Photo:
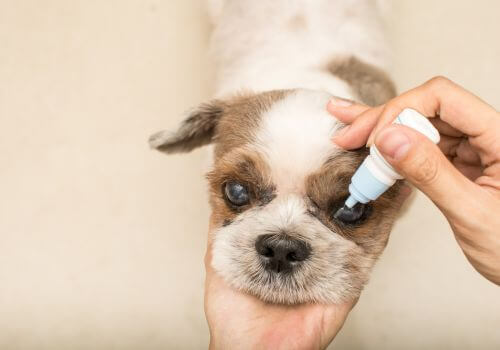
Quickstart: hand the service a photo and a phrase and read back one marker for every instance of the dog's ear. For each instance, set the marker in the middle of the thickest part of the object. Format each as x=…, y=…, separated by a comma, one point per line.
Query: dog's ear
x=197, y=130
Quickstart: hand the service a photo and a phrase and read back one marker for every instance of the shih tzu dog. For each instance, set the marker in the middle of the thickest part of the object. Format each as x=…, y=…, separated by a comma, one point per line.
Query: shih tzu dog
x=277, y=178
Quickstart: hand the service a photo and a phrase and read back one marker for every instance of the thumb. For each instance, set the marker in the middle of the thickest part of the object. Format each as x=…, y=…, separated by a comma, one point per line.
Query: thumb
x=422, y=163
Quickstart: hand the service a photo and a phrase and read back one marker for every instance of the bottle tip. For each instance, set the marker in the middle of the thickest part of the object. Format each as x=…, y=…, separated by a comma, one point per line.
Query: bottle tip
x=350, y=202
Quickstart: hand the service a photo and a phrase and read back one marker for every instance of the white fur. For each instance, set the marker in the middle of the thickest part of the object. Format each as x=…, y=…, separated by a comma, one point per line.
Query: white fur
x=321, y=278
x=279, y=44
x=295, y=136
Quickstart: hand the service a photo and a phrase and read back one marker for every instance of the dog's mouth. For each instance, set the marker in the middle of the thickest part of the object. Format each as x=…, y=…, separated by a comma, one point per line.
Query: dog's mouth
x=283, y=270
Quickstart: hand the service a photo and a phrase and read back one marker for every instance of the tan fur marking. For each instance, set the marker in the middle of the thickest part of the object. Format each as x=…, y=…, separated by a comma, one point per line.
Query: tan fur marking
x=240, y=119
x=369, y=84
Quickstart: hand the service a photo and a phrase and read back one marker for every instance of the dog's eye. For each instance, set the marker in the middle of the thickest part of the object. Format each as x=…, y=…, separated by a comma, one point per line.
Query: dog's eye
x=354, y=215
x=236, y=193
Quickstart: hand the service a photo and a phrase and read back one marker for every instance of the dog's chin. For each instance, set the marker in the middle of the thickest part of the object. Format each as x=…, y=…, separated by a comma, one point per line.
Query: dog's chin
x=285, y=289
x=291, y=288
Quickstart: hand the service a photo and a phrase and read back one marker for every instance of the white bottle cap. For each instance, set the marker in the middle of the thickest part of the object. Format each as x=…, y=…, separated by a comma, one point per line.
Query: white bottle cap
x=412, y=119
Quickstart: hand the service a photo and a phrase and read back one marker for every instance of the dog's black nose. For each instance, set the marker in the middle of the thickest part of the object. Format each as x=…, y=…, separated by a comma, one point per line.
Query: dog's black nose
x=280, y=253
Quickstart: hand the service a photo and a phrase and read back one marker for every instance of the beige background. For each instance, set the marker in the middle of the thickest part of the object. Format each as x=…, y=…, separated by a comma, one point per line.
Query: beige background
x=102, y=240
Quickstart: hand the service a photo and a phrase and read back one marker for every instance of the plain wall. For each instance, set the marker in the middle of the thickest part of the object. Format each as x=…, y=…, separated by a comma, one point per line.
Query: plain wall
x=102, y=240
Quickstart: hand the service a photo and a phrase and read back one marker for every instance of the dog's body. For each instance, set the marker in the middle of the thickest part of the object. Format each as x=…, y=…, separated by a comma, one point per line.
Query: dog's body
x=280, y=44
x=277, y=178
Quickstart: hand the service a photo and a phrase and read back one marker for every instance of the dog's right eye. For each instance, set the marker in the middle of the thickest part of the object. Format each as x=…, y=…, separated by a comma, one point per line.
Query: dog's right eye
x=236, y=193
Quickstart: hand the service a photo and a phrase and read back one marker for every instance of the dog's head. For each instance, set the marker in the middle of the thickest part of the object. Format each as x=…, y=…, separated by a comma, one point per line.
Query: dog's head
x=275, y=185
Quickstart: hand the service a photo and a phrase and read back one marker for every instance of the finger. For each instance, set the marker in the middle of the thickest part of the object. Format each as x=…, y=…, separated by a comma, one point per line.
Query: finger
x=422, y=163
x=345, y=110
x=490, y=183
x=458, y=107
x=356, y=134
x=386, y=117
x=466, y=154
x=454, y=105
x=445, y=128
x=459, y=148
x=449, y=145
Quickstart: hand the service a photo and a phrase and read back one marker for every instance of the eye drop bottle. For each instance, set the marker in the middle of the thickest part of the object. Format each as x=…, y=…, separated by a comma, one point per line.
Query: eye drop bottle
x=375, y=175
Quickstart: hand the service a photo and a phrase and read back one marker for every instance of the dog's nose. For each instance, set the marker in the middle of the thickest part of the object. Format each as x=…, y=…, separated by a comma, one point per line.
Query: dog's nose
x=281, y=254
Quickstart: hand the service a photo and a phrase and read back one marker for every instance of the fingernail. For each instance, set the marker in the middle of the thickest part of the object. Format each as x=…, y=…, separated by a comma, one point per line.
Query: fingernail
x=371, y=138
x=340, y=102
x=370, y=141
x=393, y=143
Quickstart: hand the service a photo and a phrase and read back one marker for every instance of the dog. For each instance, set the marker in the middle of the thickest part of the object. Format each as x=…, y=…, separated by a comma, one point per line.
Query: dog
x=277, y=178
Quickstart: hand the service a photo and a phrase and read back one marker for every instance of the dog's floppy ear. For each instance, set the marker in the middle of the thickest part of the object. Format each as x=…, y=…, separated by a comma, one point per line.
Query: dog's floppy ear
x=197, y=130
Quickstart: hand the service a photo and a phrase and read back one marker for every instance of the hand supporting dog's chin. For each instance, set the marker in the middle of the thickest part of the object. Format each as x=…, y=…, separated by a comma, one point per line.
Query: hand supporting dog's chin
x=235, y=317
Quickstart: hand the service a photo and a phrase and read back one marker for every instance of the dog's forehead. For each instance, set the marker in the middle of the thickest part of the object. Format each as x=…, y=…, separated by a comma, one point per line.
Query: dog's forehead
x=295, y=137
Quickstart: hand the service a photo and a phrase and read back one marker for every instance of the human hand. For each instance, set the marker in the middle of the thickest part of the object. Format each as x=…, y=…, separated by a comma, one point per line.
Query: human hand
x=461, y=175
x=240, y=321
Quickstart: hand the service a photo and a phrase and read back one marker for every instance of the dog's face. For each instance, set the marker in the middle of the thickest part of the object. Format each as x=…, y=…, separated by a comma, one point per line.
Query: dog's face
x=275, y=185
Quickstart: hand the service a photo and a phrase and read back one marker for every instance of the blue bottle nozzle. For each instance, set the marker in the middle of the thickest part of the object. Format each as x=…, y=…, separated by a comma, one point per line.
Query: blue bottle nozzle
x=350, y=202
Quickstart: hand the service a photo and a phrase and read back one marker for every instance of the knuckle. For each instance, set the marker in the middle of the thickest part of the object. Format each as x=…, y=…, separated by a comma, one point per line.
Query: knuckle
x=439, y=81
x=392, y=109
x=394, y=104
x=391, y=105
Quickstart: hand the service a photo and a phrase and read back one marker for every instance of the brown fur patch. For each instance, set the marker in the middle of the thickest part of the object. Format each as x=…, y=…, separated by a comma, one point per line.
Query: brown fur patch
x=241, y=117
x=230, y=123
x=328, y=189
x=370, y=84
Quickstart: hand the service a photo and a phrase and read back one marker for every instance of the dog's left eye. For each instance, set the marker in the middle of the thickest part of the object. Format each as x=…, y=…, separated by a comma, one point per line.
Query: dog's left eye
x=236, y=193
x=354, y=215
